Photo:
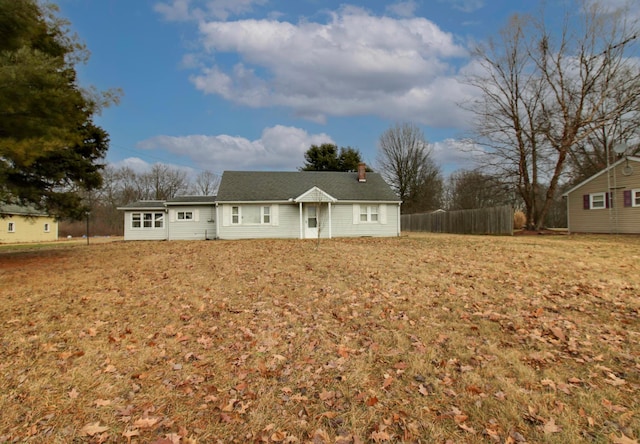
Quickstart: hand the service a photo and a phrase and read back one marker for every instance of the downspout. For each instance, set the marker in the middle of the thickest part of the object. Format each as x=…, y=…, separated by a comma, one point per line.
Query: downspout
x=329, y=220
x=568, y=199
x=167, y=220
x=399, y=220
x=300, y=212
x=217, y=223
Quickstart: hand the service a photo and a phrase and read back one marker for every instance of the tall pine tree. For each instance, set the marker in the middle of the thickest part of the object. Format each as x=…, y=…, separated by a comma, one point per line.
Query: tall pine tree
x=50, y=149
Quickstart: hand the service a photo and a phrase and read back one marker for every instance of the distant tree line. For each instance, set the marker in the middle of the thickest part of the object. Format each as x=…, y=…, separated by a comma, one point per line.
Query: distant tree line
x=123, y=185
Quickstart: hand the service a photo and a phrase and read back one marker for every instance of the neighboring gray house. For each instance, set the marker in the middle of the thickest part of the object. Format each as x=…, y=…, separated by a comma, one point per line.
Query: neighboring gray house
x=255, y=204
x=306, y=205
x=607, y=202
x=180, y=218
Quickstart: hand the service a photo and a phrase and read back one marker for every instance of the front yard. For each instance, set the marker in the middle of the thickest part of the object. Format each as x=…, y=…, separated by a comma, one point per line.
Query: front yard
x=424, y=338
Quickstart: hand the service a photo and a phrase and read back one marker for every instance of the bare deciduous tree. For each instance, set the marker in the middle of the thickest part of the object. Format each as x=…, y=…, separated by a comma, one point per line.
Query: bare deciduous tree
x=206, y=183
x=547, y=91
x=406, y=163
x=472, y=189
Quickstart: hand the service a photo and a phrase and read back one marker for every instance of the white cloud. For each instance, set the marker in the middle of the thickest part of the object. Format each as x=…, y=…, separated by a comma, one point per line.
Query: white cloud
x=399, y=69
x=185, y=10
x=403, y=9
x=465, y=5
x=452, y=154
x=141, y=166
x=279, y=148
x=630, y=8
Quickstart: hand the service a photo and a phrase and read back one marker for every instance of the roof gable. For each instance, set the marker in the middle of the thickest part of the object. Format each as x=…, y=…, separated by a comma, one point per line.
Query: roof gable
x=264, y=186
x=315, y=194
x=604, y=171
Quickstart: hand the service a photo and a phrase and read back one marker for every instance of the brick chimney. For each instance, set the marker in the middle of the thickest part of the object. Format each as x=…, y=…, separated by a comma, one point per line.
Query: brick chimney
x=362, y=172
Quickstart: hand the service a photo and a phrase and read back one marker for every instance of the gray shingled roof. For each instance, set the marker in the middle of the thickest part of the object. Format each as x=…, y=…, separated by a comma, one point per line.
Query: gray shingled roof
x=247, y=186
x=21, y=210
x=144, y=205
x=192, y=200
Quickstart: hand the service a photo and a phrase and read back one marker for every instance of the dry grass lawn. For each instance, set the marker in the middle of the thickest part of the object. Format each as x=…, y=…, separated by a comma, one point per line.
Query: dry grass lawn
x=424, y=338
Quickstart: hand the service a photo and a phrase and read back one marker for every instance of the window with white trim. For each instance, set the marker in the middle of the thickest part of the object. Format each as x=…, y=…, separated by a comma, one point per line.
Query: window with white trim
x=47, y=228
x=266, y=215
x=235, y=215
x=369, y=213
x=251, y=215
x=11, y=227
x=635, y=198
x=597, y=201
x=147, y=220
x=185, y=215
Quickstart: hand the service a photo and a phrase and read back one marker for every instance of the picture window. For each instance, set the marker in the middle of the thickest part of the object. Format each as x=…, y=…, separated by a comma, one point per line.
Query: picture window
x=147, y=220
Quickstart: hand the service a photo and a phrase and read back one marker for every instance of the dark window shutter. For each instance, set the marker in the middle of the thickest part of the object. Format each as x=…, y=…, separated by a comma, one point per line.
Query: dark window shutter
x=607, y=200
x=585, y=202
x=627, y=198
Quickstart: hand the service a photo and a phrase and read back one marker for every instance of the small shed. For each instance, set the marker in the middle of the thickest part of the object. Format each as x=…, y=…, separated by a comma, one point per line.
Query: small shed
x=607, y=202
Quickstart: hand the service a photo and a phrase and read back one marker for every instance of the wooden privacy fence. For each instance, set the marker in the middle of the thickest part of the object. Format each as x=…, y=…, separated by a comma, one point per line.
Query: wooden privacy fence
x=494, y=220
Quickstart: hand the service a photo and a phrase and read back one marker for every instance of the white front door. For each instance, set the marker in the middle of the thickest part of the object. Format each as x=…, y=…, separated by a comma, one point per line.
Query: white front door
x=311, y=222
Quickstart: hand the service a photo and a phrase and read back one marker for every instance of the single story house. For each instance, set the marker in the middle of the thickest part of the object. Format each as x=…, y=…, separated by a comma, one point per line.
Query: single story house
x=180, y=218
x=25, y=224
x=306, y=205
x=257, y=204
x=607, y=202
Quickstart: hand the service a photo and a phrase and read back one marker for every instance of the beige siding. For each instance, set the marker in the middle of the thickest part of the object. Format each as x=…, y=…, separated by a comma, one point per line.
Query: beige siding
x=618, y=218
x=28, y=229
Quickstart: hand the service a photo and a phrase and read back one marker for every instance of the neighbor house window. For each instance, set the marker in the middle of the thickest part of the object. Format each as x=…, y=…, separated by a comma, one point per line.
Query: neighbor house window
x=235, y=215
x=147, y=220
x=635, y=198
x=185, y=215
x=597, y=201
x=47, y=228
x=11, y=228
x=368, y=213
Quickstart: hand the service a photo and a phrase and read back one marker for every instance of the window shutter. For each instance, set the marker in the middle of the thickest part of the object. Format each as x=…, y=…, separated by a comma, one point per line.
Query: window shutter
x=274, y=215
x=226, y=215
x=607, y=200
x=627, y=198
x=196, y=215
x=585, y=202
x=172, y=215
x=356, y=214
x=383, y=214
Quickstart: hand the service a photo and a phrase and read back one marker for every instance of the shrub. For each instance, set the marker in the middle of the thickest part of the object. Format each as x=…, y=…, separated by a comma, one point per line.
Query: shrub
x=519, y=220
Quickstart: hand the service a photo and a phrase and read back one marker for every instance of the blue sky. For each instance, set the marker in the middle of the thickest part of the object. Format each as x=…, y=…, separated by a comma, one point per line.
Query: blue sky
x=251, y=84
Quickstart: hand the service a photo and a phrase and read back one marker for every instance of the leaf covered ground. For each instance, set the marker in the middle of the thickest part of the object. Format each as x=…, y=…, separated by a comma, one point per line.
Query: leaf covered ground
x=424, y=338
